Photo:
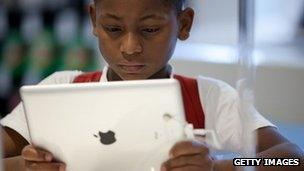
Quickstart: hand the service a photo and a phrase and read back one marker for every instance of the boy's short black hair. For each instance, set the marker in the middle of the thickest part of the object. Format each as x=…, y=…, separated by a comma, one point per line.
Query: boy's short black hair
x=178, y=4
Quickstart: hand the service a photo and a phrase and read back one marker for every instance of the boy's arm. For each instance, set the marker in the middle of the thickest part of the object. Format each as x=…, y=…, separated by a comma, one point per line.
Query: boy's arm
x=271, y=144
x=14, y=163
x=191, y=155
x=13, y=142
x=32, y=158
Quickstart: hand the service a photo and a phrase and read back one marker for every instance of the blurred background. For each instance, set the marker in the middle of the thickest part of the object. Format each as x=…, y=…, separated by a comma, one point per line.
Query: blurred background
x=39, y=37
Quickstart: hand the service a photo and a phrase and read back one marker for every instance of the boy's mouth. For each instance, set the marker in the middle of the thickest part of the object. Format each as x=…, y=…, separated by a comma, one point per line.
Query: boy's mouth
x=131, y=68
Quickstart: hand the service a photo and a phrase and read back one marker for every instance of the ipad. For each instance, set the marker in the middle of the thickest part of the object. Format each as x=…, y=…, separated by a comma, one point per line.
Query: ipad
x=117, y=126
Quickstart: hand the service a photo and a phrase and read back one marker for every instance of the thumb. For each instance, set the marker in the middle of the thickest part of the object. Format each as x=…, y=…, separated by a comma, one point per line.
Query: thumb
x=32, y=153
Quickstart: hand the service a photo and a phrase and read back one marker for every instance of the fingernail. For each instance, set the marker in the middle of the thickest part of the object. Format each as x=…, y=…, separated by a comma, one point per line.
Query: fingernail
x=48, y=157
x=163, y=168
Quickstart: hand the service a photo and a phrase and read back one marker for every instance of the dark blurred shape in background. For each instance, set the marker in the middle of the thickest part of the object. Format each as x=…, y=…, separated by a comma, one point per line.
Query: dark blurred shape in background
x=38, y=38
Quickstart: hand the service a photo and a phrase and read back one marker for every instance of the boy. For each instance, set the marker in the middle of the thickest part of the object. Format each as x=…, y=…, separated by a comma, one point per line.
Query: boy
x=137, y=39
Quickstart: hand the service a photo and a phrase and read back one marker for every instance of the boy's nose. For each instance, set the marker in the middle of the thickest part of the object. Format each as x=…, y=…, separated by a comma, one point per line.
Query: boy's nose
x=130, y=44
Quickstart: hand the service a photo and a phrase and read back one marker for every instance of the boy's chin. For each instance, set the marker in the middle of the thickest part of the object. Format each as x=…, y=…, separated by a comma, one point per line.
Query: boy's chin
x=129, y=77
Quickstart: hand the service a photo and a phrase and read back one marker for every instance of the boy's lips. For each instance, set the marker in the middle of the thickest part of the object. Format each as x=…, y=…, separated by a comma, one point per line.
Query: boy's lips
x=131, y=68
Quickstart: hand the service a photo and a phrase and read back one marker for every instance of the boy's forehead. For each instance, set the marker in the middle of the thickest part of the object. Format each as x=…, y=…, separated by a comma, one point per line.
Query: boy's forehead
x=132, y=6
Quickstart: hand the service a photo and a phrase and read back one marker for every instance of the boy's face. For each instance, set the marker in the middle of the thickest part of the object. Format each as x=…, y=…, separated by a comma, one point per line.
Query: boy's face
x=136, y=37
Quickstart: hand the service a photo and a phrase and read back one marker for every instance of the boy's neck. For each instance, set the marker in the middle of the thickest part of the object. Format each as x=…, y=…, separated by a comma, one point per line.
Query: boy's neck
x=165, y=72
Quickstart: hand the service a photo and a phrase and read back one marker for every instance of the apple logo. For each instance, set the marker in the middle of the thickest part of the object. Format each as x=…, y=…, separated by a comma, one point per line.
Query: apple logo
x=106, y=138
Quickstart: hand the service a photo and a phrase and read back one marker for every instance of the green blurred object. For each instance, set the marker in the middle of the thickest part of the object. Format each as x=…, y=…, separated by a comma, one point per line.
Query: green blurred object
x=43, y=55
x=43, y=59
x=14, y=57
x=78, y=56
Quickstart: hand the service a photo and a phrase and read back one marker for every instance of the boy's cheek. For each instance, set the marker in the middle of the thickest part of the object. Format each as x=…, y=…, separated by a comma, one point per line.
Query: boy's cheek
x=108, y=49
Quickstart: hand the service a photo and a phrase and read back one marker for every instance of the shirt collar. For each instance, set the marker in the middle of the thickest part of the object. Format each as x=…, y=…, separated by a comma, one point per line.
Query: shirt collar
x=105, y=71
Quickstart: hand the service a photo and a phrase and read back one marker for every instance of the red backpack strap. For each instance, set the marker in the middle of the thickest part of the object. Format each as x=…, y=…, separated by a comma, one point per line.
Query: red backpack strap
x=192, y=103
x=88, y=77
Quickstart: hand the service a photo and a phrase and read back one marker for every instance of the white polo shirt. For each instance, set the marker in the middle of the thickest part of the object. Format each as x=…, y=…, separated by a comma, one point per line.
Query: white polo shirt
x=220, y=102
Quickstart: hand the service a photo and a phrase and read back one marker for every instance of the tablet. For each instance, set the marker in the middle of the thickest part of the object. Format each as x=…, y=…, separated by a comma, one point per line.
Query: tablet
x=117, y=126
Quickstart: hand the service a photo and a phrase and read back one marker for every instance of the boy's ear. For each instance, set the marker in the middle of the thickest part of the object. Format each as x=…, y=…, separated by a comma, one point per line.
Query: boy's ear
x=185, y=23
x=92, y=11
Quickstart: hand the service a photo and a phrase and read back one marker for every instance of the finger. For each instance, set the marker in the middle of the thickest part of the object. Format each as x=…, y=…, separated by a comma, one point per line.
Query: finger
x=188, y=148
x=32, y=153
x=197, y=160
x=35, y=166
x=185, y=168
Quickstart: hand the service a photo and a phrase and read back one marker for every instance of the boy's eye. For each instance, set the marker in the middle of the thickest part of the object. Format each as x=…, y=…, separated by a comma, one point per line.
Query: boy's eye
x=150, y=30
x=113, y=29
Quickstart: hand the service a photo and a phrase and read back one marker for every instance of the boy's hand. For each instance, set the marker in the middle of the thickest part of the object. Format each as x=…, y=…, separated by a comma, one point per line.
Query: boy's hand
x=186, y=156
x=37, y=159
